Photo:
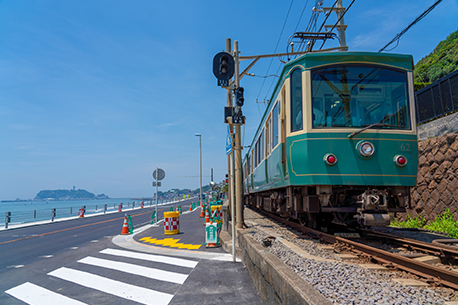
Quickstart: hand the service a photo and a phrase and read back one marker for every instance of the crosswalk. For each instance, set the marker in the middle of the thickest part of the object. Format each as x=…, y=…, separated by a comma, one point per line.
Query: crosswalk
x=139, y=264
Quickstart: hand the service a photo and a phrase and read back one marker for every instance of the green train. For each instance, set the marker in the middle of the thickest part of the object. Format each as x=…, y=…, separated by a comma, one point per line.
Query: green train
x=338, y=140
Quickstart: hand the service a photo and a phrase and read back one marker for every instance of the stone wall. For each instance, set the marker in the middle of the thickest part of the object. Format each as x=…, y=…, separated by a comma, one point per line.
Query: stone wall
x=437, y=179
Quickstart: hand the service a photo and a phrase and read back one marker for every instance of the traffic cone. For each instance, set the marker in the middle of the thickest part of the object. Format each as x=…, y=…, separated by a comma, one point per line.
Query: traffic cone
x=202, y=213
x=125, y=227
x=207, y=216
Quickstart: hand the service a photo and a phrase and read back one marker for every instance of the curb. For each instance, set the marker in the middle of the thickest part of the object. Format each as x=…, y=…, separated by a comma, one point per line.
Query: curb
x=128, y=242
x=275, y=282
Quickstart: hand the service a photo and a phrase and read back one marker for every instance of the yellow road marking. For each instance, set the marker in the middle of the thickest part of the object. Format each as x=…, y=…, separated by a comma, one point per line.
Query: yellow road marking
x=169, y=242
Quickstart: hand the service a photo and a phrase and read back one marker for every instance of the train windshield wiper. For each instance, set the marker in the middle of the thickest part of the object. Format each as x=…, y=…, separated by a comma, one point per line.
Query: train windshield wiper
x=370, y=126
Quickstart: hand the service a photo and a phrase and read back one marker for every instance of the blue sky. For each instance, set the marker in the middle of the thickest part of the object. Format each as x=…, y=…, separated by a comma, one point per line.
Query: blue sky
x=97, y=94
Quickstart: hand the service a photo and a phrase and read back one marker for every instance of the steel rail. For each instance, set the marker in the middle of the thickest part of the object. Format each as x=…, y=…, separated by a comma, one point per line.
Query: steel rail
x=435, y=249
x=431, y=273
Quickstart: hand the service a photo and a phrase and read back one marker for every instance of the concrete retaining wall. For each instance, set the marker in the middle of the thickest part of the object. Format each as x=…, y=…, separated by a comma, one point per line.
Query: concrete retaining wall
x=276, y=282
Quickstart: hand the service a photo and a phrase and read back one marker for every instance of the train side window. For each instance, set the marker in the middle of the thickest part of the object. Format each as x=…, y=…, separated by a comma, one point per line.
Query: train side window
x=275, y=115
x=261, y=140
x=296, y=100
x=268, y=135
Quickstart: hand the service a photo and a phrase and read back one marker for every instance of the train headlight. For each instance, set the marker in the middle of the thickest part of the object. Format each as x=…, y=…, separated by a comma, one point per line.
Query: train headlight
x=400, y=160
x=366, y=149
x=330, y=159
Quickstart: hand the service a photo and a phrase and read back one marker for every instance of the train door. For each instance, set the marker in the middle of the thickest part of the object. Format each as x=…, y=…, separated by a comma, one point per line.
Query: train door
x=283, y=129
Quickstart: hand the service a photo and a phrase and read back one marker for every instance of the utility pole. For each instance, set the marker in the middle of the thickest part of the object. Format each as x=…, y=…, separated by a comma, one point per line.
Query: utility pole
x=230, y=155
x=238, y=148
x=341, y=26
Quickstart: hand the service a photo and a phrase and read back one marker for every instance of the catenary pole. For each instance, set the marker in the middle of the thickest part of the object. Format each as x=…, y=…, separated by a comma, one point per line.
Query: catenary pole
x=229, y=156
x=238, y=149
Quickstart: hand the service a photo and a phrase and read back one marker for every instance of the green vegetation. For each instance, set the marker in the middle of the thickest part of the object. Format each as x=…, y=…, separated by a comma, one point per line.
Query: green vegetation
x=67, y=195
x=444, y=223
x=442, y=61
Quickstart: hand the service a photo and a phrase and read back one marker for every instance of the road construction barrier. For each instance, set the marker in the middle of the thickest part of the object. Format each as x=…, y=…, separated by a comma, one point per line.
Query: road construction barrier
x=202, y=213
x=81, y=212
x=153, y=218
x=220, y=210
x=171, y=223
x=215, y=213
x=211, y=235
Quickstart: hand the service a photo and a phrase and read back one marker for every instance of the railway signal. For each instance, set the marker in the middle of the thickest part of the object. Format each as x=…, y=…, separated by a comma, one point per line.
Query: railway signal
x=239, y=96
x=223, y=68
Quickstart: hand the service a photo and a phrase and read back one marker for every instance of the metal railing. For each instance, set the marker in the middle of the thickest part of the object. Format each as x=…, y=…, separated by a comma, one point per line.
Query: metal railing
x=22, y=217
x=437, y=99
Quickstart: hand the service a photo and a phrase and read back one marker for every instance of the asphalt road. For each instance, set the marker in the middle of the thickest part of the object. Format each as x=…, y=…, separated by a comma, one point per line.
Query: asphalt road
x=79, y=262
x=23, y=246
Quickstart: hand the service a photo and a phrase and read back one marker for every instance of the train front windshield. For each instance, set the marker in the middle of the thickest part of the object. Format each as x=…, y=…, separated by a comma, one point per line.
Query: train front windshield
x=358, y=96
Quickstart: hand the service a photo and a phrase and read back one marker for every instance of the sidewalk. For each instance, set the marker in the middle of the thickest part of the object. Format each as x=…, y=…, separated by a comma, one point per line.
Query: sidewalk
x=215, y=280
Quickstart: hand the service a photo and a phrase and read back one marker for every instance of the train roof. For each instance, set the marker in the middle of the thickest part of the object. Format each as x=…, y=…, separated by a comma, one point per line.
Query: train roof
x=315, y=59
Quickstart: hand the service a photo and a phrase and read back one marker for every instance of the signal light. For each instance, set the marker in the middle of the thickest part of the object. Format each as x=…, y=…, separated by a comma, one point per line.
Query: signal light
x=330, y=159
x=239, y=96
x=400, y=160
x=223, y=68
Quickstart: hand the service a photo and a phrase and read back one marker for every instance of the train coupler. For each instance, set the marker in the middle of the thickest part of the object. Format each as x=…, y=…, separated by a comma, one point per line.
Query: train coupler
x=373, y=219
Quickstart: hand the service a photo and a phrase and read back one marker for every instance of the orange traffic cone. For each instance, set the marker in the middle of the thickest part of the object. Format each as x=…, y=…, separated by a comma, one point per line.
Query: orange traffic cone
x=202, y=213
x=207, y=215
x=125, y=227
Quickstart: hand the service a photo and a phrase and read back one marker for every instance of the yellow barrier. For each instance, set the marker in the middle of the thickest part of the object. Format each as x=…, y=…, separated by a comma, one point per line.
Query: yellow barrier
x=171, y=223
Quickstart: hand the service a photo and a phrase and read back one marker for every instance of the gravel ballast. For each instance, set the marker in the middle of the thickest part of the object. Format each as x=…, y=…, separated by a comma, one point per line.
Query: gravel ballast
x=341, y=282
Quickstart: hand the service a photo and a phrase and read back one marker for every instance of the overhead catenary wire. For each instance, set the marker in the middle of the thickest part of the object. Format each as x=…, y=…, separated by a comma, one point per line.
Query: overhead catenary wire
x=398, y=36
x=278, y=41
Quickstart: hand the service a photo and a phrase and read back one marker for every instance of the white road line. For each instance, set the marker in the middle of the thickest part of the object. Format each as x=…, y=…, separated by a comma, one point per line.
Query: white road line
x=36, y=295
x=15, y=266
x=122, y=290
x=152, y=257
x=148, y=272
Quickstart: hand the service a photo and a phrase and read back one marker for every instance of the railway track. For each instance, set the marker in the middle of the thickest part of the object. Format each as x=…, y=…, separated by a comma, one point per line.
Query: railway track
x=432, y=274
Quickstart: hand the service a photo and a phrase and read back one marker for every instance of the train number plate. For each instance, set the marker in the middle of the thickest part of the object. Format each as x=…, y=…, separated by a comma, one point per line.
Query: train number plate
x=405, y=146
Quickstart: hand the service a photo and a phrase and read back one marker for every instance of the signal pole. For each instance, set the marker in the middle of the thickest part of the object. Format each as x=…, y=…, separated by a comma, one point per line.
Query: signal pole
x=230, y=155
x=238, y=148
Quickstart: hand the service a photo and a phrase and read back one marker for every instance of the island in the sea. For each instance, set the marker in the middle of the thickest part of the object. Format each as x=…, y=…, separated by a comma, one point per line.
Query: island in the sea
x=67, y=195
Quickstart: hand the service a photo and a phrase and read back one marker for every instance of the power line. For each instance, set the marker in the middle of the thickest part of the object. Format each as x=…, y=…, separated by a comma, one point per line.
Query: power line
x=281, y=33
x=410, y=25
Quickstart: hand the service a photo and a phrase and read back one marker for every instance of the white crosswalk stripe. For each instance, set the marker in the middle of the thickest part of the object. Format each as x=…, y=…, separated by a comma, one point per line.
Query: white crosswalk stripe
x=36, y=295
x=119, y=289
x=151, y=273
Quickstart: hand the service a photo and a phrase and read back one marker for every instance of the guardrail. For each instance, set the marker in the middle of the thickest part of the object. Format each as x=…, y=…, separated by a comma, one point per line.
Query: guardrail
x=22, y=217
x=437, y=99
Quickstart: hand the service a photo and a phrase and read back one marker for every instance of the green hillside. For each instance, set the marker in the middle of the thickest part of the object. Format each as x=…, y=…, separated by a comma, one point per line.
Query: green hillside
x=442, y=61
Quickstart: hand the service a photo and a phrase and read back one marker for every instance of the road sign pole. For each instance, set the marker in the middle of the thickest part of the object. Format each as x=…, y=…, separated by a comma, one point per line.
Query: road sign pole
x=157, y=176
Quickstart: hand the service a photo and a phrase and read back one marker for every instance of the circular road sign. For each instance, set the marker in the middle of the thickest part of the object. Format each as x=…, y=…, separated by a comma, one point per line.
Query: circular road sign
x=159, y=174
